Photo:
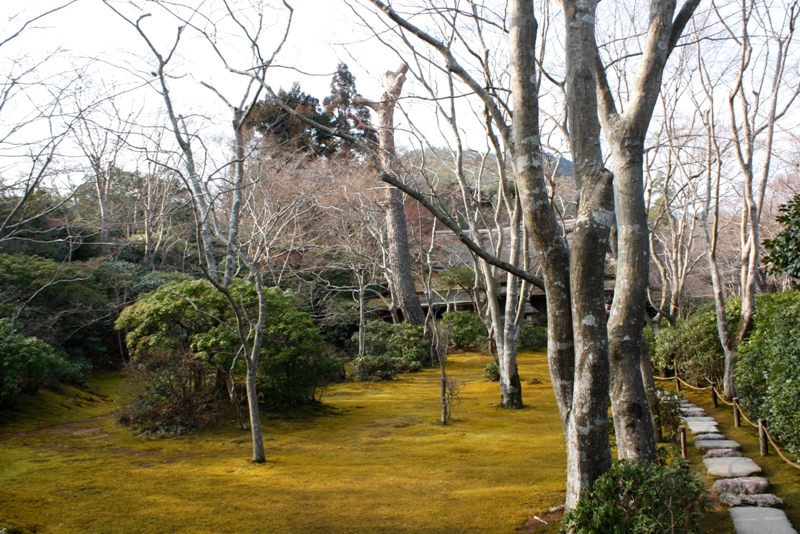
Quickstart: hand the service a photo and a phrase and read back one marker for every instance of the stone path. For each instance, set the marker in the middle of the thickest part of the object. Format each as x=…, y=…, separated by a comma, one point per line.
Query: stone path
x=738, y=485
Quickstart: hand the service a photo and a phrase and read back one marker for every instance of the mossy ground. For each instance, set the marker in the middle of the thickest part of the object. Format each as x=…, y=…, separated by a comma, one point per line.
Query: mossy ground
x=375, y=460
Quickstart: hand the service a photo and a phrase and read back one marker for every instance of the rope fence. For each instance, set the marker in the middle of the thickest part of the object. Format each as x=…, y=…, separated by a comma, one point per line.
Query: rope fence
x=737, y=412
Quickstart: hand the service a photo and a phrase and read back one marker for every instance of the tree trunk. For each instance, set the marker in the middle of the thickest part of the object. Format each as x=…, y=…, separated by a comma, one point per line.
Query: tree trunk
x=577, y=343
x=259, y=456
x=626, y=133
x=633, y=420
x=397, y=227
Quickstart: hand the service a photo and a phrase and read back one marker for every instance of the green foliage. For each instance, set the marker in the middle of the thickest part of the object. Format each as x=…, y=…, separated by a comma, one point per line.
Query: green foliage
x=28, y=363
x=269, y=117
x=184, y=338
x=458, y=278
x=784, y=249
x=768, y=371
x=465, y=328
x=635, y=498
x=692, y=348
x=348, y=116
x=390, y=349
x=532, y=337
x=491, y=372
x=666, y=408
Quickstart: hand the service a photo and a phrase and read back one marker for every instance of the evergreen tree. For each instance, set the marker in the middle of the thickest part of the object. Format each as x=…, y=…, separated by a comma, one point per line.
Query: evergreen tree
x=347, y=114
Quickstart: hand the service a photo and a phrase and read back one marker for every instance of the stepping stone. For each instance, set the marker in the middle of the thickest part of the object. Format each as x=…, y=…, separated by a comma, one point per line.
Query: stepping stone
x=702, y=427
x=709, y=436
x=731, y=467
x=760, y=521
x=741, y=485
x=694, y=412
x=699, y=419
x=722, y=453
x=707, y=445
x=762, y=500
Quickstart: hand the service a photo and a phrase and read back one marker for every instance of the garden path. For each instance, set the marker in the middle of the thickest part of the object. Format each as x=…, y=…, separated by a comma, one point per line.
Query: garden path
x=738, y=485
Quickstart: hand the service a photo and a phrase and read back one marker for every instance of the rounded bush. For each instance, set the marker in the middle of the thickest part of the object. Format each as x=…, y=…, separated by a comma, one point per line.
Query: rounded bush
x=391, y=349
x=635, y=498
x=491, y=372
x=465, y=328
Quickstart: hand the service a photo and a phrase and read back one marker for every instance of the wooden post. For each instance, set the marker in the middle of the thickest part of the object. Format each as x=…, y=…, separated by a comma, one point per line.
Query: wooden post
x=714, y=400
x=736, y=417
x=677, y=383
x=762, y=436
x=682, y=432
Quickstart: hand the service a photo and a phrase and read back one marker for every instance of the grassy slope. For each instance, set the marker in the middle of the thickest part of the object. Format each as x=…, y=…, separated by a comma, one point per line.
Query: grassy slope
x=377, y=461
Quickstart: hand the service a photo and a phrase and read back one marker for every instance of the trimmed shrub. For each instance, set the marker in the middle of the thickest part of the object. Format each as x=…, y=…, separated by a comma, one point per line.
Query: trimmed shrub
x=491, y=372
x=533, y=337
x=768, y=371
x=391, y=349
x=666, y=408
x=635, y=498
x=28, y=363
x=183, y=341
x=692, y=348
x=466, y=329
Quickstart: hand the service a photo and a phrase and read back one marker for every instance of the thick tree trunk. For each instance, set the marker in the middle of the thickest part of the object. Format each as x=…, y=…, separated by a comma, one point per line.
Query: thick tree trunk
x=577, y=342
x=626, y=133
x=633, y=422
x=397, y=227
x=400, y=257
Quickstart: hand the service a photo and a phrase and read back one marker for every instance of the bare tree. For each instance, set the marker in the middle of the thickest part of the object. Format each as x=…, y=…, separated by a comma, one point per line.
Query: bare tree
x=205, y=197
x=396, y=224
x=35, y=122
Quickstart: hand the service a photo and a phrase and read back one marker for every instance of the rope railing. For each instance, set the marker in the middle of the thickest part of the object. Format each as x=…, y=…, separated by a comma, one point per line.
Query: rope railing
x=696, y=388
x=778, y=450
x=738, y=412
x=716, y=395
x=721, y=397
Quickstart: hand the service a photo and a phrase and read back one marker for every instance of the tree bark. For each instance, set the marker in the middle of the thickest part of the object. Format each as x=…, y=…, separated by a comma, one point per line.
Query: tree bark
x=396, y=225
x=626, y=133
x=577, y=345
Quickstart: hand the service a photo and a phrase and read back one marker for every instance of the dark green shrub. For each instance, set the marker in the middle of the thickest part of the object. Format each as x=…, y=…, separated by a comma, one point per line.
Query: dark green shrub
x=28, y=363
x=532, y=337
x=692, y=348
x=174, y=397
x=768, y=371
x=666, y=408
x=183, y=341
x=390, y=349
x=491, y=372
x=61, y=304
x=784, y=249
x=465, y=328
x=634, y=498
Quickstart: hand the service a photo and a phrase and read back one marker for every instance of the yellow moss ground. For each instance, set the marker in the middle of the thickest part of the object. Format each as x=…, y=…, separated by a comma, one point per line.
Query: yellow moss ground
x=376, y=461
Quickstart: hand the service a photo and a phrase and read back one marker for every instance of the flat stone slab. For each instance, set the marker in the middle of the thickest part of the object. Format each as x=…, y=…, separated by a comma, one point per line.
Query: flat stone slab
x=741, y=485
x=722, y=453
x=705, y=436
x=760, y=521
x=762, y=500
x=707, y=445
x=694, y=412
x=699, y=419
x=702, y=427
x=731, y=467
